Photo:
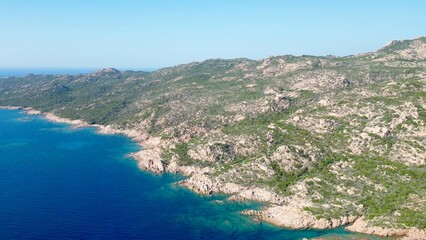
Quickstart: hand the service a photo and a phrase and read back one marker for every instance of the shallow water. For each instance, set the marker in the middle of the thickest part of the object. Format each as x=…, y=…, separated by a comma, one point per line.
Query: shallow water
x=62, y=183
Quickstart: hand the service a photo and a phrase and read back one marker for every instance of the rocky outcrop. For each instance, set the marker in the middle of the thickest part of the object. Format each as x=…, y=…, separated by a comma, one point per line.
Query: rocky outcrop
x=294, y=218
x=222, y=152
x=32, y=111
x=132, y=133
x=199, y=183
x=75, y=123
x=363, y=226
x=150, y=160
x=110, y=73
x=106, y=72
x=279, y=103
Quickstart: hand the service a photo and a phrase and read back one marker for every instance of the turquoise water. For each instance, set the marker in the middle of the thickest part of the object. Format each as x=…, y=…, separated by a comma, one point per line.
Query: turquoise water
x=62, y=183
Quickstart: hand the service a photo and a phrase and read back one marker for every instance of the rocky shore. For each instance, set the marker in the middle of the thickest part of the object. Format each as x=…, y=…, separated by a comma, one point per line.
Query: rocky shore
x=361, y=225
x=287, y=212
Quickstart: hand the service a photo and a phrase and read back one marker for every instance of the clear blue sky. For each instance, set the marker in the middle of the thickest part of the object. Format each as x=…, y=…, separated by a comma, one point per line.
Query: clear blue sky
x=160, y=33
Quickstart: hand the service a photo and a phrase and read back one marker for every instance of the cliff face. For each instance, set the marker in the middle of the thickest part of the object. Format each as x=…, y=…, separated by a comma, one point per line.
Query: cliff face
x=324, y=140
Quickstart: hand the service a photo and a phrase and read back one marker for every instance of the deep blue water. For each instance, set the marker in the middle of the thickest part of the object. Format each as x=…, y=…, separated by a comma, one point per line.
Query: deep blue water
x=62, y=183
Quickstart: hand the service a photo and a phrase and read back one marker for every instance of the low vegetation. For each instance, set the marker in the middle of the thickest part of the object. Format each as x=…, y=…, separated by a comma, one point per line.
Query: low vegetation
x=352, y=129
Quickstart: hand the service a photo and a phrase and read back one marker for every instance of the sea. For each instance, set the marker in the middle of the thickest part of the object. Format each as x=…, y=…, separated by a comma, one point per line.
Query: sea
x=60, y=182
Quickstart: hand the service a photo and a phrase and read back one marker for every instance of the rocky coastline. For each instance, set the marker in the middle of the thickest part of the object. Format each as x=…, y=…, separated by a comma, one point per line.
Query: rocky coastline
x=286, y=212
